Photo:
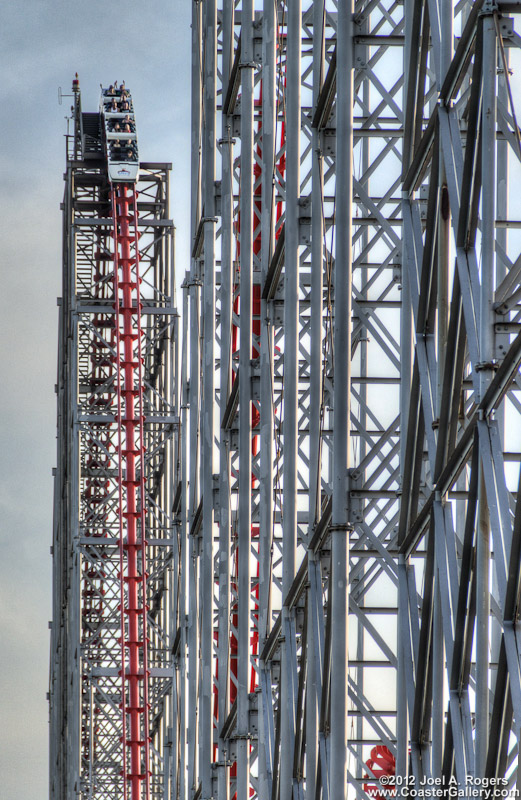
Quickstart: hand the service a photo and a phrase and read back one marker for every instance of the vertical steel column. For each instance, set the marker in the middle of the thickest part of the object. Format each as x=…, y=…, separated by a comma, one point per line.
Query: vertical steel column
x=195, y=128
x=184, y=562
x=245, y=377
x=269, y=32
x=315, y=390
x=291, y=289
x=501, y=341
x=291, y=368
x=486, y=345
x=175, y=751
x=207, y=440
x=340, y=524
x=444, y=233
x=438, y=672
x=194, y=395
x=317, y=271
x=446, y=31
x=193, y=613
x=73, y=529
x=356, y=587
x=488, y=199
x=226, y=294
x=406, y=348
x=266, y=423
x=446, y=14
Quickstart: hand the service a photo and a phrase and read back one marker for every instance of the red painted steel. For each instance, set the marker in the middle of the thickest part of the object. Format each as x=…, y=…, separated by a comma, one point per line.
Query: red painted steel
x=381, y=763
x=132, y=540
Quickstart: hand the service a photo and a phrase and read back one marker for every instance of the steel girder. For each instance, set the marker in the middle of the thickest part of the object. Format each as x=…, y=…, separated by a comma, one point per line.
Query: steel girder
x=86, y=703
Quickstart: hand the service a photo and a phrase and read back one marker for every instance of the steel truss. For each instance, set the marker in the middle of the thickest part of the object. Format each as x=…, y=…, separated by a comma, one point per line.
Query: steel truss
x=350, y=362
x=459, y=657
x=111, y=702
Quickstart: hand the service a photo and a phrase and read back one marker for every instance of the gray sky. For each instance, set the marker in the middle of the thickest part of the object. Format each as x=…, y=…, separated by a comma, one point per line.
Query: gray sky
x=42, y=44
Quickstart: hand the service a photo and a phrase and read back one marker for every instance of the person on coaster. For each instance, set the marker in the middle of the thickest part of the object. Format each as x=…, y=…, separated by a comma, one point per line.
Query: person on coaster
x=110, y=90
x=125, y=106
x=113, y=105
x=128, y=121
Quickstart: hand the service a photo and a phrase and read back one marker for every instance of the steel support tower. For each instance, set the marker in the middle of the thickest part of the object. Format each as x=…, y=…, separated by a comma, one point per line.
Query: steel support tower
x=348, y=531
x=111, y=679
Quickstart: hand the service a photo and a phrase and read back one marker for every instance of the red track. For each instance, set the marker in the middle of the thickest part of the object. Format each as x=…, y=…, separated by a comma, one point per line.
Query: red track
x=132, y=543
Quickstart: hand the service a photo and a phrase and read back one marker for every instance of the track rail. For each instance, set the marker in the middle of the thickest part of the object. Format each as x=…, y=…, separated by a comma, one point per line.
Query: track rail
x=131, y=465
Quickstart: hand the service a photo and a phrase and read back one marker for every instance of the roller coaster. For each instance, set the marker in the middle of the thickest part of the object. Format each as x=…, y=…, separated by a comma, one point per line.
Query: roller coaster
x=120, y=137
x=111, y=683
x=287, y=538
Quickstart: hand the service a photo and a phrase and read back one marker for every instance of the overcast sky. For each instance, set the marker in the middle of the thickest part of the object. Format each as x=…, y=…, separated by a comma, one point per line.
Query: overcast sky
x=42, y=44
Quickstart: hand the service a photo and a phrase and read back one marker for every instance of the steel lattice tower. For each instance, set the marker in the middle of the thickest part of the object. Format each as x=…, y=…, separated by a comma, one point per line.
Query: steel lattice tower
x=346, y=545
x=111, y=700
